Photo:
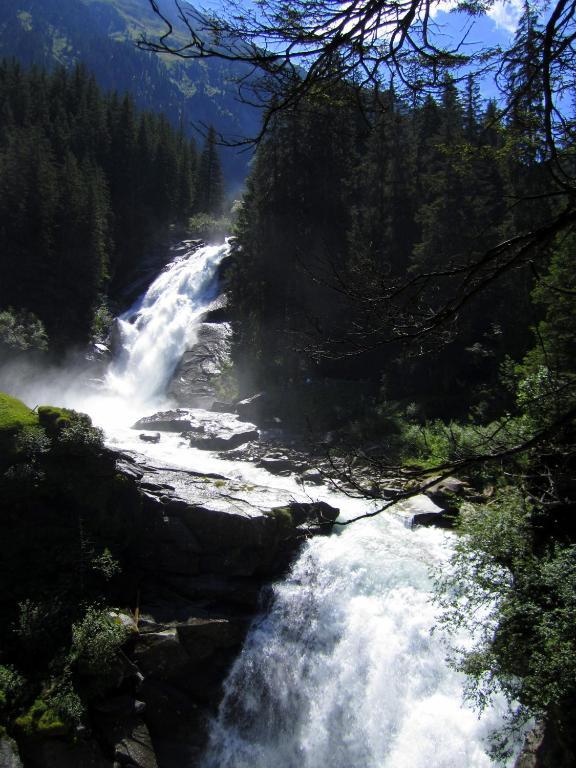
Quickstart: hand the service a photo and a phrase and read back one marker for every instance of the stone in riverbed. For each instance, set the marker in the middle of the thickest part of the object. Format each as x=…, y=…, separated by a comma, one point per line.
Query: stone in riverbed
x=222, y=441
x=210, y=431
x=154, y=438
x=165, y=421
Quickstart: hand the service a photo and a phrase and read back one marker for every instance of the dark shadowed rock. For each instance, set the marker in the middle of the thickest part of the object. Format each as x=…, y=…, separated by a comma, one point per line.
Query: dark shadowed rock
x=439, y=519
x=160, y=654
x=9, y=757
x=55, y=753
x=153, y=438
x=278, y=464
x=201, y=637
x=166, y=421
x=254, y=408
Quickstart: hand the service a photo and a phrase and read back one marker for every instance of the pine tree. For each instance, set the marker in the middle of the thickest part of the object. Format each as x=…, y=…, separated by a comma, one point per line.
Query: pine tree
x=210, y=189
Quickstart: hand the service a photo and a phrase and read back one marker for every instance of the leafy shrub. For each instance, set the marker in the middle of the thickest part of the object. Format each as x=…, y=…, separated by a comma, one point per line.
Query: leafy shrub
x=96, y=640
x=71, y=430
x=21, y=331
x=519, y=607
x=41, y=720
x=12, y=687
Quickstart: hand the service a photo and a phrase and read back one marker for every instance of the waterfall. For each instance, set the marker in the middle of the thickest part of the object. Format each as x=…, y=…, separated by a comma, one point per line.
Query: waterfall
x=161, y=325
x=344, y=670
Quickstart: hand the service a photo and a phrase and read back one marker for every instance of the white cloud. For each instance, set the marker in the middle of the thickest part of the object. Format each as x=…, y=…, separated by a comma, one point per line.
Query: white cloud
x=506, y=13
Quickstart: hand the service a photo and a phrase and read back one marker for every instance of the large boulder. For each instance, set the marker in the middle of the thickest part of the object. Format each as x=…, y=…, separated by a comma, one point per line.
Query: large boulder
x=210, y=431
x=165, y=421
x=193, y=382
x=448, y=493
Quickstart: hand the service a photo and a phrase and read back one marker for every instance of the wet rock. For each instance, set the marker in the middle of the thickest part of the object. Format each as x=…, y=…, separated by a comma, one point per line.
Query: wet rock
x=154, y=438
x=222, y=407
x=130, y=742
x=278, y=464
x=165, y=421
x=193, y=381
x=161, y=655
x=219, y=440
x=439, y=519
x=311, y=477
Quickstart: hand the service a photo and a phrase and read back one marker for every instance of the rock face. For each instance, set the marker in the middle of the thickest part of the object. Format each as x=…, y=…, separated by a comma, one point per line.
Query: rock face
x=203, y=548
x=192, y=384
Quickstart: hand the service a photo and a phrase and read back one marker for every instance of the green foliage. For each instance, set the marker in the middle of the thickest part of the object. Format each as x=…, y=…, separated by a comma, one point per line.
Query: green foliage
x=106, y=564
x=15, y=415
x=72, y=431
x=283, y=517
x=12, y=689
x=102, y=323
x=22, y=331
x=96, y=641
x=209, y=227
x=86, y=182
x=520, y=607
x=41, y=720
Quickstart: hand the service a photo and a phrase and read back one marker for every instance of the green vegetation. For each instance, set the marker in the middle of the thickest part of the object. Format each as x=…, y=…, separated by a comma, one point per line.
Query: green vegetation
x=87, y=183
x=15, y=415
x=102, y=36
x=63, y=510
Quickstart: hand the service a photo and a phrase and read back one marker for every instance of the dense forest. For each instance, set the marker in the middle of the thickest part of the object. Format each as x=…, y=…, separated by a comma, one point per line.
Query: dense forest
x=87, y=182
x=102, y=36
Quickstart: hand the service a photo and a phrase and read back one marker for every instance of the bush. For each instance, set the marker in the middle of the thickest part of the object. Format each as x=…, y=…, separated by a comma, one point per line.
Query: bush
x=12, y=688
x=71, y=430
x=22, y=331
x=41, y=720
x=520, y=607
x=96, y=640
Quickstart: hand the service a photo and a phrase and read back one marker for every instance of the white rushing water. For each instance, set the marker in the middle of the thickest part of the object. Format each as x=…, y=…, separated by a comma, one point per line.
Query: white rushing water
x=343, y=671
x=157, y=330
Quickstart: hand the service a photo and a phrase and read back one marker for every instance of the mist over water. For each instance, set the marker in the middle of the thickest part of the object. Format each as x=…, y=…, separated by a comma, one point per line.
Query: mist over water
x=153, y=335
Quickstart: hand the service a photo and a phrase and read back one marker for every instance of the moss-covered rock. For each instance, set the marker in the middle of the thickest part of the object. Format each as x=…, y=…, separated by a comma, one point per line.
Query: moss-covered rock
x=15, y=418
x=14, y=415
x=41, y=720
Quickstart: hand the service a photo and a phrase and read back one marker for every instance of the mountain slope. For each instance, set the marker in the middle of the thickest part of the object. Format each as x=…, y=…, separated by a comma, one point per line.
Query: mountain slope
x=102, y=35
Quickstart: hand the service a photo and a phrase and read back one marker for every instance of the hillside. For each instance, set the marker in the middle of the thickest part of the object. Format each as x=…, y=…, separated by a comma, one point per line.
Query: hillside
x=102, y=35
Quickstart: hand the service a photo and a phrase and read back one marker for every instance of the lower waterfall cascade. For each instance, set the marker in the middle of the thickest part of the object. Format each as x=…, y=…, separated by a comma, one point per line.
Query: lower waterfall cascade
x=342, y=668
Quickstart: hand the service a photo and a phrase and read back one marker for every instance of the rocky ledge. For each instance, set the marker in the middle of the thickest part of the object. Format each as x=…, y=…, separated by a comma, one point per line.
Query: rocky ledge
x=203, y=550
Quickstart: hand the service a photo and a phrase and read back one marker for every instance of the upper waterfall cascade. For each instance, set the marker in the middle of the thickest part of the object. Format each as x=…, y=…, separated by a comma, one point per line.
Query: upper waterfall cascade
x=162, y=323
